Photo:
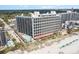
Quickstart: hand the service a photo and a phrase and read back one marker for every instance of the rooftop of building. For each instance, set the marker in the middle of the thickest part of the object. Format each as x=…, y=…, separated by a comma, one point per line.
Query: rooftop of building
x=37, y=14
x=67, y=12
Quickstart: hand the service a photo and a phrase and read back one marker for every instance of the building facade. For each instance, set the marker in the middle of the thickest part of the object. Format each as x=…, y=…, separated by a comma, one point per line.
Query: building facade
x=3, y=40
x=39, y=25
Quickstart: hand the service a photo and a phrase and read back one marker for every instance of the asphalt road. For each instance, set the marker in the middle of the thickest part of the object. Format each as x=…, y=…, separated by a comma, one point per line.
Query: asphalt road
x=12, y=33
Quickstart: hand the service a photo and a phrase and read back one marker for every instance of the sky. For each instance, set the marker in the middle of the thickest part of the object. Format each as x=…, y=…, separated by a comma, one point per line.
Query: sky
x=15, y=7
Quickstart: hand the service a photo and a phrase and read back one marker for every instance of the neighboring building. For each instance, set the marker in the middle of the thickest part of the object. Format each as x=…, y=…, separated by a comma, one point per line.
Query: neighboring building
x=39, y=25
x=69, y=15
x=3, y=40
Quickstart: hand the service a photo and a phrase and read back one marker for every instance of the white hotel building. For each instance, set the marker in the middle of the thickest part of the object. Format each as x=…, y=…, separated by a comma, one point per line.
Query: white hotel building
x=39, y=25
